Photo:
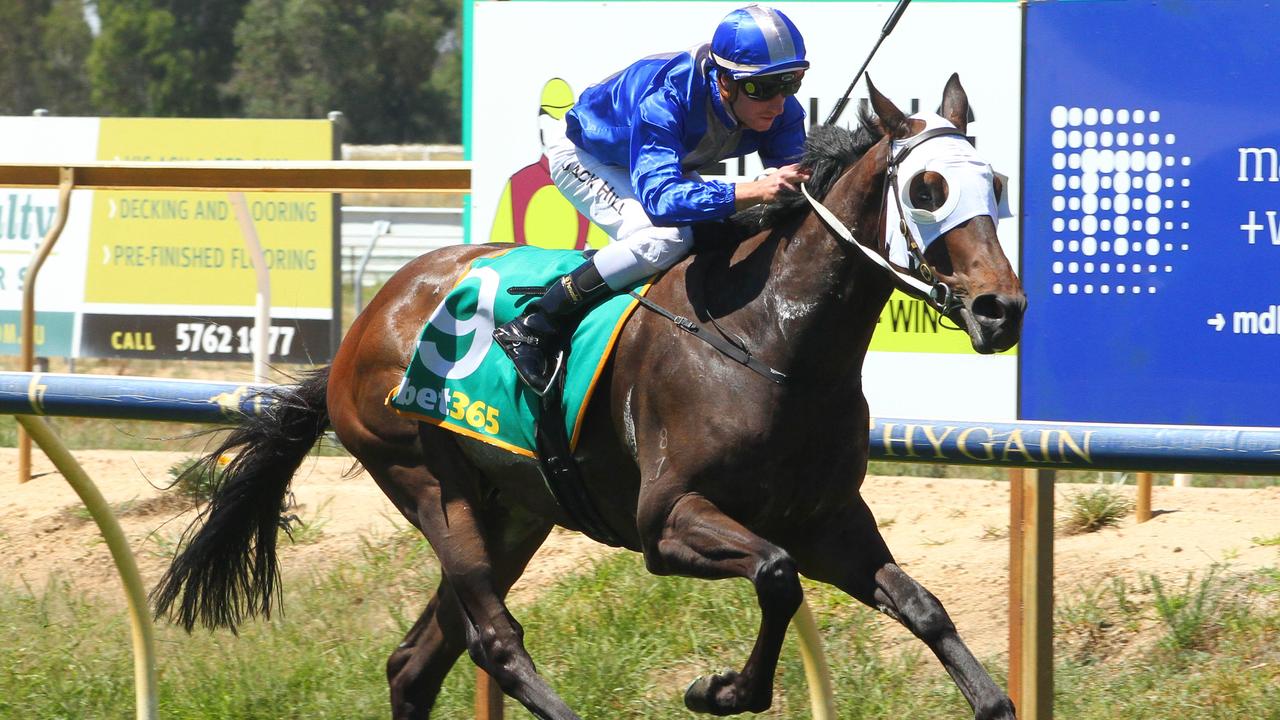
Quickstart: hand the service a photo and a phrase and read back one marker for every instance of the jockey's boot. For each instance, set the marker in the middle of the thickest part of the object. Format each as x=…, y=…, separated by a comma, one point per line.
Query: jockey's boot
x=534, y=341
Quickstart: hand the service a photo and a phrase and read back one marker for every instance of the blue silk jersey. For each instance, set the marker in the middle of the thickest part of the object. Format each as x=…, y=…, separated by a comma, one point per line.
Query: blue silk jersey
x=661, y=118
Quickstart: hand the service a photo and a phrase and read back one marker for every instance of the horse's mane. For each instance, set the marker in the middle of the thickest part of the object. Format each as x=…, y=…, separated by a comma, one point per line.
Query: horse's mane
x=828, y=151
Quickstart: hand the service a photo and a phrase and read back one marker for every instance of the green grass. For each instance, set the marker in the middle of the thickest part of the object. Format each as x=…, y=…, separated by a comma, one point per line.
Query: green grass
x=619, y=643
x=93, y=434
x=1092, y=510
x=1273, y=540
x=65, y=657
x=1216, y=652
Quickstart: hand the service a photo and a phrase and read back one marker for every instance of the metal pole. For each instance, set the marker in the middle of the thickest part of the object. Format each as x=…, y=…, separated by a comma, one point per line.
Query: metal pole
x=262, y=314
x=336, y=122
x=66, y=181
x=380, y=228
x=144, y=656
x=1142, y=512
x=1037, y=593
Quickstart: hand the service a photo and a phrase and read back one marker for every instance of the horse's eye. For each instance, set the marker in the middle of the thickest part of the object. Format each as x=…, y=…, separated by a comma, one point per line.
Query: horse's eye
x=927, y=190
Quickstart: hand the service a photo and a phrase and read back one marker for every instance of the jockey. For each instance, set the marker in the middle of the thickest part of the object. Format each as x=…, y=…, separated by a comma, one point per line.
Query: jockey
x=628, y=159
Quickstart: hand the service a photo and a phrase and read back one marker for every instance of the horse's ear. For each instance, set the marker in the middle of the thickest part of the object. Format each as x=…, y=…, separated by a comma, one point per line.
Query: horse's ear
x=888, y=117
x=955, y=104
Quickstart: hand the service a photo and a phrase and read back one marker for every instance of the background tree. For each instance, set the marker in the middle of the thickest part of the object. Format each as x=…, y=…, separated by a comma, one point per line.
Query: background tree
x=392, y=66
x=164, y=57
x=43, y=45
x=19, y=46
x=65, y=41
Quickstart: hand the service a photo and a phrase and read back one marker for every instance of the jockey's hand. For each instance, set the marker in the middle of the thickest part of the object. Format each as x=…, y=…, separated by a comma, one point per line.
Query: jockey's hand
x=769, y=187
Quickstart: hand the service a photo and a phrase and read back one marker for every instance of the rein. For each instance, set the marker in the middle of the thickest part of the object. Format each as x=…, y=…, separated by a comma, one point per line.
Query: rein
x=937, y=294
x=737, y=353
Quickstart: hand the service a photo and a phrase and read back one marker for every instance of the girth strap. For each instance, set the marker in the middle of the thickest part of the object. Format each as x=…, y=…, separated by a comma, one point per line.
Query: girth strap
x=726, y=348
x=560, y=469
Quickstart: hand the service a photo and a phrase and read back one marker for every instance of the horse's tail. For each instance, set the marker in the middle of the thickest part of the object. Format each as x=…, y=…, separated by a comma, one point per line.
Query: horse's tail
x=227, y=569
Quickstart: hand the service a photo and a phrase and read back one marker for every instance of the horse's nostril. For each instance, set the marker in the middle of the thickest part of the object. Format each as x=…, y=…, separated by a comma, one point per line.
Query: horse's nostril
x=988, y=307
x=997, y=308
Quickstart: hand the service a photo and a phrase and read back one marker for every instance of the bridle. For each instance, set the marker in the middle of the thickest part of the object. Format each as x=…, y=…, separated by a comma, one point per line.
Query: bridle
x=927, y=287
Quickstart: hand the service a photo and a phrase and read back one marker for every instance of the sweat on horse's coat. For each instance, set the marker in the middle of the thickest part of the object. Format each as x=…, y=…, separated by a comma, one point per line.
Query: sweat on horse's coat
x=707, y=468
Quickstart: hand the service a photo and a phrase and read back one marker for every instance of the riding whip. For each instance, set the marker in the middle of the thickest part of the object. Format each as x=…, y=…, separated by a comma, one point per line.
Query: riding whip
x=898, y=9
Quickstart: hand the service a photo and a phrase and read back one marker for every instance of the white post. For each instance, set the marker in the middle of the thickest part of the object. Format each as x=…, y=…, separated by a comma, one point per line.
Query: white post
x=262, y=322
x=1182, y=480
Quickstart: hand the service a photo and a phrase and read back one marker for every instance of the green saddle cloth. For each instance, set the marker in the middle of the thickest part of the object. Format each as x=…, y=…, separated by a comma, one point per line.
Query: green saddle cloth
x=461, y=380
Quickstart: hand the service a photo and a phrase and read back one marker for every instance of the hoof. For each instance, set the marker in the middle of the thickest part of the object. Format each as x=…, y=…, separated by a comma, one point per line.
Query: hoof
x=721, y=695
x=1000, y=710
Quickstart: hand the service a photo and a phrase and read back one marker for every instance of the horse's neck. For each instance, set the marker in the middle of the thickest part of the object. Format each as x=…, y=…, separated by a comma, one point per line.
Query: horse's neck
x=826, y=300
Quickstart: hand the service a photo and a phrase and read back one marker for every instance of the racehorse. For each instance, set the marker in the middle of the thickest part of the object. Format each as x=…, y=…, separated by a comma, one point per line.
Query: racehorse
x=706, y=468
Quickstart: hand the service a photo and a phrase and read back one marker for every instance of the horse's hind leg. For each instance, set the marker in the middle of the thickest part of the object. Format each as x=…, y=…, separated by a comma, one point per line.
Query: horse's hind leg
x=466, y=540
x=698, y=540
x=854, y=557
x=418, y=667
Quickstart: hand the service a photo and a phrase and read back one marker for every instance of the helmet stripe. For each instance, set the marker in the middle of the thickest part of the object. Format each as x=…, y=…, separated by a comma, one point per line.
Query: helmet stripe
x=735, y=67
x=777, y=36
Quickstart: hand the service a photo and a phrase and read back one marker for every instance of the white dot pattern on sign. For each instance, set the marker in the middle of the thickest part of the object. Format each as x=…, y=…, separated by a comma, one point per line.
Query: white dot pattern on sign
x=1117, y=190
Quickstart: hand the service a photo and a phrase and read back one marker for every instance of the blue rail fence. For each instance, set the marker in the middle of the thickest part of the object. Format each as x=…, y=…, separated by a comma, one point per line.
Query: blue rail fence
x=126, y=398
x=1246, y=451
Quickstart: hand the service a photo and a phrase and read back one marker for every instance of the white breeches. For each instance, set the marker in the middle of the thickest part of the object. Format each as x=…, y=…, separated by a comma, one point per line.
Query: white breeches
x=603, y=193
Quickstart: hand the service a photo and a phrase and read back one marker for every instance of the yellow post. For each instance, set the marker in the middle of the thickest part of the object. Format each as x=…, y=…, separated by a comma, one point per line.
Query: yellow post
x=66, y=181
x=1017, y=523
x=1142, y=512
x=488, y=697
x=144, y=660
x=1037, y=597
x=816, y=672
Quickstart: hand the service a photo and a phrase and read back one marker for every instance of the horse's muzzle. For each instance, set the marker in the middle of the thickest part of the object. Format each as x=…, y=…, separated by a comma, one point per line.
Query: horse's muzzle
x=994, y=321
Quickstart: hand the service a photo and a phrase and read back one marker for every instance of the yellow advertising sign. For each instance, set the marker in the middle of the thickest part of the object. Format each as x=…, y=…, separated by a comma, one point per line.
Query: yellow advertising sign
x=186, y=248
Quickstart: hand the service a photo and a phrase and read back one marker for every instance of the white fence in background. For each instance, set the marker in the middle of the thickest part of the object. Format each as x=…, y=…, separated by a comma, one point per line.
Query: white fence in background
x=406, y=234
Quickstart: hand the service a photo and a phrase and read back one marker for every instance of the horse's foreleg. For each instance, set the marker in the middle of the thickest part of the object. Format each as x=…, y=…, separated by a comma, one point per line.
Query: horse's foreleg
x=699, y=540
x=854, y=557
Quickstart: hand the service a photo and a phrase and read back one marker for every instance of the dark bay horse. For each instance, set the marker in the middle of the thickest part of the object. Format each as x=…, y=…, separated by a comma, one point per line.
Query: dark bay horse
x=708, y=469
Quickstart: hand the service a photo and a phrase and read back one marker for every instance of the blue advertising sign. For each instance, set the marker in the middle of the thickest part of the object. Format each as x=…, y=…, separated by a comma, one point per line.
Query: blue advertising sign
x=1151, y=236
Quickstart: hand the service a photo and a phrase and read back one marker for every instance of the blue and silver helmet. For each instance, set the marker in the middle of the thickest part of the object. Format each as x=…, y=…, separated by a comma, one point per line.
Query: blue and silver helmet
x=756, y=40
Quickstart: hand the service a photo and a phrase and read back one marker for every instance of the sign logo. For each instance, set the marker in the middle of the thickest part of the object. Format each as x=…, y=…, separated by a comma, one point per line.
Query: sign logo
x=1120, y=189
